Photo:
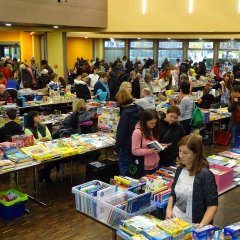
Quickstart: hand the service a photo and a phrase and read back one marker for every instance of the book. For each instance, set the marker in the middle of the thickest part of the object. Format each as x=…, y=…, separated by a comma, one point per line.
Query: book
x=156, y=145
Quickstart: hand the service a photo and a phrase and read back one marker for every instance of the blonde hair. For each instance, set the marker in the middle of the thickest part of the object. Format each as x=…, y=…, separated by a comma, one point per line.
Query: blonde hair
x=123, y=97
x=125, y=85
x=78, y=104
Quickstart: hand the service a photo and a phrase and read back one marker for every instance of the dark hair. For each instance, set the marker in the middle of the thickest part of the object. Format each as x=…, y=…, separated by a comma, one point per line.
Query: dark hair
x=30, y=119
x=53, y=76
x=237, y=74
x=25, y=84
x=229, y=80
x=194, y=143
x=146, y=116
x=206, y=90
x=169, y=78
x=236, y=88
x=174, y=109
x=185, y=87
x=11, y=113
x=104, y=75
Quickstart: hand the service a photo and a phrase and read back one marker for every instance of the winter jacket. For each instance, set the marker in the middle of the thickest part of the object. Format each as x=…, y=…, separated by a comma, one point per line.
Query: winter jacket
x=10, y=129
x=82, y=90
x=135, y=88
x=130, y=116
x=169, y=133
x=151, y=160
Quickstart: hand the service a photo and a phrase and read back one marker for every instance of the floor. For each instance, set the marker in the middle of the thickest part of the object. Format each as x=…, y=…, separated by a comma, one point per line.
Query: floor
x=59, y=220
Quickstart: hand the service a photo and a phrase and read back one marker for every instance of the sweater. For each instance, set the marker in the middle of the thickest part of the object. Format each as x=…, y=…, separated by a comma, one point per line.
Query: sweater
x=146, y=102
x=169, y=133
x=204, y=193
x=11, y=128
x=186, y=108
x=151, y=160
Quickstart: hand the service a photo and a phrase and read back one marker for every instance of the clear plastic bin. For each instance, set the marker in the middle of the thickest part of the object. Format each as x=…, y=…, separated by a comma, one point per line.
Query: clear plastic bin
x=107, y=210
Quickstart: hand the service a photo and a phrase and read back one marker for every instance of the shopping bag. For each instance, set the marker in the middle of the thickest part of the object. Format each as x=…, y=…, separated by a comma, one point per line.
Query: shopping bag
x=197, y=120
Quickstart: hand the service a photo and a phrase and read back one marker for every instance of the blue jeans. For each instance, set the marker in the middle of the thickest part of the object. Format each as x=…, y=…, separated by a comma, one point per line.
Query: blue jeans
x=123, y=161
x=235, y=134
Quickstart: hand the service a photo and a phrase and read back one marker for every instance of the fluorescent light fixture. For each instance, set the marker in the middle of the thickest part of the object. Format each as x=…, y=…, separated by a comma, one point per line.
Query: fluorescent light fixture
x=144, y=7
x=238, y=6
x=169, y=38
x=8, y=24
x=190, y=7
x=200, y=38
x=56, y=27
x=139, y=38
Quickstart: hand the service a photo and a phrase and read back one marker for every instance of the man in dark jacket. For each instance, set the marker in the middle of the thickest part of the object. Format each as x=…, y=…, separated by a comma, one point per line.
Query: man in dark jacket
x=170, y=132
x=202, y=68
x=11, y=128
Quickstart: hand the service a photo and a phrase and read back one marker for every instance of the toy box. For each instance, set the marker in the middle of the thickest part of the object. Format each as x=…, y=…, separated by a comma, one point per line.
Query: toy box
x=232, y=231
x=223, y=176
x=156, y=233
x=23, y=140
x=204, y=233
x=15, y=208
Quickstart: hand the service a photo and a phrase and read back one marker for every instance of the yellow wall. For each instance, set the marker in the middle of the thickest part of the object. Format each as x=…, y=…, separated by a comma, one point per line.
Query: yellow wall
x=78, y=47
x=99, y=48
x=55, y=52
x=36, y=47
x=26, y=47
x=173, y=16
x=6, y=36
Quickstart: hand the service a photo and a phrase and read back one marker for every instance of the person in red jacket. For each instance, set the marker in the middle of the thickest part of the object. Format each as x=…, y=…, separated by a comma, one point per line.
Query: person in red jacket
x=6, y=72
x=216, y=70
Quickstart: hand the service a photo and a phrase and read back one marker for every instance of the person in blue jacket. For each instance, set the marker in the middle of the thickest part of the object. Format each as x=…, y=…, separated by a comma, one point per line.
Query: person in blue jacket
x=101, y=88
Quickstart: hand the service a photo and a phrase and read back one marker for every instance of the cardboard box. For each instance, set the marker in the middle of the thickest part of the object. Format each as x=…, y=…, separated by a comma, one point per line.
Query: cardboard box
x=232, y=231
x=203, y=233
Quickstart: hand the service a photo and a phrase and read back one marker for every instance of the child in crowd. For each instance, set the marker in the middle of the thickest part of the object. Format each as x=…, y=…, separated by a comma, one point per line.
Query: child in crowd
x=234, y=108
x=146, y=131
x=55, y=83
x=82, y=90
x=11, y=128
x=207, y=99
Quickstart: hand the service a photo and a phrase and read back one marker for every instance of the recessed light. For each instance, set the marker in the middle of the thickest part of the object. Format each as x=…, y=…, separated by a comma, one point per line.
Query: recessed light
x=139, y=38
x=86, y=37
x=8, y=24
x=56, y=27
x=169, y=38
x=200, y=38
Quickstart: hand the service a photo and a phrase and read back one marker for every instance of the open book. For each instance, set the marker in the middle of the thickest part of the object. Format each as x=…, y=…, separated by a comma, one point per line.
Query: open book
x=156, y=145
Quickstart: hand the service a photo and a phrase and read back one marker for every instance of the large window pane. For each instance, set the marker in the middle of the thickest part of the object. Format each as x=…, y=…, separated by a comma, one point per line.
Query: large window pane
x=170, y=45
x=230, y=45
x=202, y=45
x=171, y=55
x=199, y=55
x=110, y=55
x=140, y=54
x=141, y=44
x=114, y=44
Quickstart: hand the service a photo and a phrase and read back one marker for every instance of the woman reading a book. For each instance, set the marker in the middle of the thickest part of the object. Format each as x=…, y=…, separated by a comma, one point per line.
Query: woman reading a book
x=194, y=196
x=146, y=131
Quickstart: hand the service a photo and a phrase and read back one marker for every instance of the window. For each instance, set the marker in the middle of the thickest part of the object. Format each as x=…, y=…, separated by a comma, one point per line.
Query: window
x=197, y=51
x=140, y=49
x=229, y=53
x=170, y=50
x=113, y=49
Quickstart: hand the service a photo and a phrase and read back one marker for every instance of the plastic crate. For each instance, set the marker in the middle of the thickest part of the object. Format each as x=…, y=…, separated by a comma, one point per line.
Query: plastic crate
x=105, y=209
x=15, y=208
x=221, y=137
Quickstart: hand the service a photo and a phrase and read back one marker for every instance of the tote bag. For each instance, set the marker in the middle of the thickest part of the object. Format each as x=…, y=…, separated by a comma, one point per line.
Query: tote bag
x=197, y=120
x=136, y=165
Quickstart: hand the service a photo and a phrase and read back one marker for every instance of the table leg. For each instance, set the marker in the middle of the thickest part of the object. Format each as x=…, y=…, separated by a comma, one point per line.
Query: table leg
x=16, y=180
x=35, y=197
x=114, y=235
x=71, y=172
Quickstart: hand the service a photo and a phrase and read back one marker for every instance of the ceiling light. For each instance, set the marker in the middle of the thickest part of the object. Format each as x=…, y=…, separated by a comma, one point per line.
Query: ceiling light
x=238, y=6
x=85, y=37
x=190, y=7
x=8, y=24
x=144, y=7
x=169, y=38
x=139, y=38
x=200, y=38
x=232, y=39
x=56, y=27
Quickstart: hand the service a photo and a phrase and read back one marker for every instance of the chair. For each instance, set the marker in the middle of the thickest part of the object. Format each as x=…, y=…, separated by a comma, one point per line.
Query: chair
x=13, y=93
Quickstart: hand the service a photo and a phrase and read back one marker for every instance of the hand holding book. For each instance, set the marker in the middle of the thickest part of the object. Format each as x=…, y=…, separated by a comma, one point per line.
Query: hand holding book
x=157, y=146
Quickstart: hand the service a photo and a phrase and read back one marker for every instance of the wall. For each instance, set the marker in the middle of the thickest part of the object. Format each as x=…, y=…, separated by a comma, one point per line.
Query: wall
x=76, y=13
x=26, y=47
x=172, y=16
x=36, y=48
x=9, y=36
x=78, y=47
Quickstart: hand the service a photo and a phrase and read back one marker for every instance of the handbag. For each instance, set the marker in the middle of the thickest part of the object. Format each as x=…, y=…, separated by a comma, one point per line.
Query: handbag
x=197, y=120
x=136, y=165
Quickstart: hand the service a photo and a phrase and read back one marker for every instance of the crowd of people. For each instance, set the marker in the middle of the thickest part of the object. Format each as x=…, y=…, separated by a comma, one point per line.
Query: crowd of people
x=136, y=87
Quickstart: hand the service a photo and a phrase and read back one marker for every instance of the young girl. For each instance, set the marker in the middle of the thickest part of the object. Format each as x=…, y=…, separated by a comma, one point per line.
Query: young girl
x=55, y=83
x=145, y=132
